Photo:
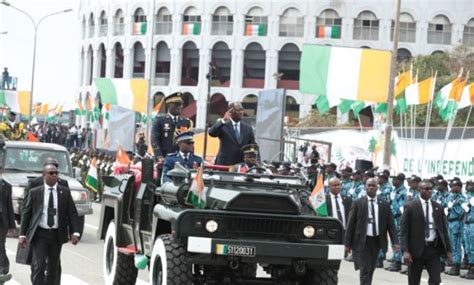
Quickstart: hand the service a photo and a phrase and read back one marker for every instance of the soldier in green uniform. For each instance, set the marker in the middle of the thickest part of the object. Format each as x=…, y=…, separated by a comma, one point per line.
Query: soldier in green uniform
x=12, y=130
x=455, y=214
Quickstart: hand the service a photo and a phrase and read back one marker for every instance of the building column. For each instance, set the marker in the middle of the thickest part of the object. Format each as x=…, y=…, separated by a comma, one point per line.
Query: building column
x=178, y=24
x=110, y=62
x=201, y=109
x=310, y=27
x=96, y=64
x=175, y=68
x=385, y=33
x=82, y=55
x=110, y=26
x=239, y=25
x=203, y=82
x=127, y=63
x=305, y=107
x=421, y=35
x=457, y=31
x=236, y=76
x=347, y=32
x=271, y=67
x=86, y=68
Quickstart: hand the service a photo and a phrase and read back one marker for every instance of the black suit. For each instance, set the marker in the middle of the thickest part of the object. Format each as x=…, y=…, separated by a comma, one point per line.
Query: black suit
x=7, y=221
x=230, y=151
x=162, y=133
x=365, y=249
x=412, y=234
x=47, y=244
x=346, y=203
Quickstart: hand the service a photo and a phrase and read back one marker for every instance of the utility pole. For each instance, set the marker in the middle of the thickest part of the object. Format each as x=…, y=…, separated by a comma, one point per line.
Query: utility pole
x=391, y=95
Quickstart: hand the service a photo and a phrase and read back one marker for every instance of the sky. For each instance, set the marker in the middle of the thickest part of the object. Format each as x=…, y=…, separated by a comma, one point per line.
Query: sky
x=57, y=53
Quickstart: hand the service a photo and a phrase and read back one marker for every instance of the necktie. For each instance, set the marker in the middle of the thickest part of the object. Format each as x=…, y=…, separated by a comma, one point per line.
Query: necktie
x=186, y=159
x=51, y=208
x=175, y=121
x=427, y=220
x=374, y=224
x=237, y=131
x=338, y=209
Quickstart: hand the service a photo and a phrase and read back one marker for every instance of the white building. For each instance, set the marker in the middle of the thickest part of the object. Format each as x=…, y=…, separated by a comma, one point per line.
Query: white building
x=254, y=45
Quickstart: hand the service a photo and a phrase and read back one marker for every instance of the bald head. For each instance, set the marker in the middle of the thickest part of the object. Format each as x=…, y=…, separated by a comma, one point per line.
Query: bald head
x=237, y=111
x=371, y=186
x=335, y=186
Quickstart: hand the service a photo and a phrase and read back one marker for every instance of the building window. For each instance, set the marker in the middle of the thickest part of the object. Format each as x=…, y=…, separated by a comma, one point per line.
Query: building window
x=119, y=23
x=407, y=32
x=191, y=22
x=468, y=35
x=222, y=22
x=139, y=22
x=291, y=23
x=439, y=31
x=83, y=30
x=328, y=25
x=366, y=27
x=163, y=23
x=103, y=25
x=91, y=26
x=255, y=23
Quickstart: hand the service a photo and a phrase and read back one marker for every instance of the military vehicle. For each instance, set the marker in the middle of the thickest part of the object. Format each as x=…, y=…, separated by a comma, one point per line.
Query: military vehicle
x=21, y=161
x=248, y=220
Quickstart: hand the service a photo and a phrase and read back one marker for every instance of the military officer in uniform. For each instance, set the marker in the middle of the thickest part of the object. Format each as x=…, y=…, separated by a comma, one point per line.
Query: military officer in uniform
x=250, y=164
x=357, y=188
x=398, y=198
x=383, y=194
x=164, y=127
x=413, y=193
x=442, y=193
x=185, y=155
x=12, y=130
x=346, y=181
x=455, y=213
x=469, y=229
x=329, y=172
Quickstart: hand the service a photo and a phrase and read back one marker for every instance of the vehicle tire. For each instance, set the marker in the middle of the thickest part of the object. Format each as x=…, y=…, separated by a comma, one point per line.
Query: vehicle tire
x=119, y=268
x=169, y=264
x=82, y=222
x=249, y=270
x=322, y=277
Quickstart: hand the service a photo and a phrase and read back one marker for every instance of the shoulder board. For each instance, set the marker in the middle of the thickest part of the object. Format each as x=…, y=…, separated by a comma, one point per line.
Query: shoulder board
x=172, y=154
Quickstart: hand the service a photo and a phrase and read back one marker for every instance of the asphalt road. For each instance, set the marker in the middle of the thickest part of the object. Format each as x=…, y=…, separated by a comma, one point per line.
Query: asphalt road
x=82, y=264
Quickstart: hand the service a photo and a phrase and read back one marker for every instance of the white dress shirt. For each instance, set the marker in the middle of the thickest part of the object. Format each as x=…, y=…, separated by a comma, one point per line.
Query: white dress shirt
x=44, y=216
x=373, y=216
x=341, y=206
x=431, y=224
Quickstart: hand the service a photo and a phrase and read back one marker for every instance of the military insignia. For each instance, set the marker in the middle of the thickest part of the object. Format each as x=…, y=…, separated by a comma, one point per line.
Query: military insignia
x=167, y=126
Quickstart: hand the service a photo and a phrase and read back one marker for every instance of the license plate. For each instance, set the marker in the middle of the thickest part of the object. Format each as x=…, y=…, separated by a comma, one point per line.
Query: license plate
x=235, y=250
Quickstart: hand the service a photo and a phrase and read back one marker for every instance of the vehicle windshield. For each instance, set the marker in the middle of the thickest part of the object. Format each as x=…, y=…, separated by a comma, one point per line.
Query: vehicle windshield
x=32, y=159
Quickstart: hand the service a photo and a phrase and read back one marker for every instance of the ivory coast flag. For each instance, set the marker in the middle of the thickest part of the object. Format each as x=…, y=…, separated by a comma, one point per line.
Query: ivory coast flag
x=402, y=81
x=467, y=97
x=122, y=156
x=191, y=29
x=345, y=73
x=419, y=93
x=91, y=179
x=17, y=101
x=197, y=192
x=318, y=198
x=127, y=93
x=449, y=109
x=443, y=95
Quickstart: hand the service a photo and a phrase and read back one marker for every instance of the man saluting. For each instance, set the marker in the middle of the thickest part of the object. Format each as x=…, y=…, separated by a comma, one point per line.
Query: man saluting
x=48, y=213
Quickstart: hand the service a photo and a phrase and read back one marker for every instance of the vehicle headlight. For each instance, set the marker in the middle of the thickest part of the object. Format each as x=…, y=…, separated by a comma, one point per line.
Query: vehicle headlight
x=79, y=196
x=18, y=192
x=309, y=231
x=211, y=226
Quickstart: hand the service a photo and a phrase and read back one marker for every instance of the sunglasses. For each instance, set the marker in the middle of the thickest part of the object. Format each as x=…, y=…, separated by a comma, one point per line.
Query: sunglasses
x=427, y=188
x=53, y=173
x=189, y=143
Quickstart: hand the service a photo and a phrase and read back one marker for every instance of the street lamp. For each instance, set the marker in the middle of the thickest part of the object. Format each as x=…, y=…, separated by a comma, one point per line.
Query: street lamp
x=35, y=25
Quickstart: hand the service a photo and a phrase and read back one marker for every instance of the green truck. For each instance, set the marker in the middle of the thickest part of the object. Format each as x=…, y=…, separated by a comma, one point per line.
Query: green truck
x=255, y=229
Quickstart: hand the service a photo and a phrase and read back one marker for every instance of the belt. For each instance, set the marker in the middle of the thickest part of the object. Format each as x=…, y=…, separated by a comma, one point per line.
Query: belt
x=48, y=230
x=430, y=243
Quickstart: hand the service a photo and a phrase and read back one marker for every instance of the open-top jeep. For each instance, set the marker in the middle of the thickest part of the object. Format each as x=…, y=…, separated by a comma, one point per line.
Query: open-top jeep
x=248, y=220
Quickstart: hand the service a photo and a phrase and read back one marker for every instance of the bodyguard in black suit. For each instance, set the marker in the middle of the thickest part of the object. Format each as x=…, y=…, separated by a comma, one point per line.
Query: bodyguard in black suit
x=233, y=134
x=424, y=236
x=7, y=224
x=48, y=214
x=368, y=223
x=163, y=129
x=338, y=206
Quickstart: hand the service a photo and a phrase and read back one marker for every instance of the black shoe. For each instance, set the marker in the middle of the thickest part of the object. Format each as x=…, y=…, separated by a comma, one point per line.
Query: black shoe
x=5, y=277
x=470, y=273
x=395, y=266
x=454, y=270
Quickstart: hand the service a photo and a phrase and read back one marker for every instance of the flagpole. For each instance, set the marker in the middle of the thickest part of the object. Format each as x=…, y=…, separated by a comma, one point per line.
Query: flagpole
x=446, y=138
x=391, y=91
x=149, y=105
x=429, y=109
x=464, y=130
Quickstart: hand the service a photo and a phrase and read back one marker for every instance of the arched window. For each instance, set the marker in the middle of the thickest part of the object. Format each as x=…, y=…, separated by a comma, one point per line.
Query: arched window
x=164, y=22
x=403, y=55
x=222, y=22
x=366, y=27
x=139, y=22
x=256, y=23
x=83, y=28
x=407, y=29
x=118, y=60
x=190, y=68
x=291, y=23
x=91, y=26
x=119, y=23
x=328, y=25
x=468, y=35
x=289, y=67
x=138, y=61
x=254, y=66
x=103, y=24
x=191, y=22
x=439, y=31
x=222, y=60
x=163, y=64
x=102, y=60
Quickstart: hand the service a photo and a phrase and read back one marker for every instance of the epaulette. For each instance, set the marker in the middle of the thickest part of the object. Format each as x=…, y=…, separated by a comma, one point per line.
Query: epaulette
x=173, y=154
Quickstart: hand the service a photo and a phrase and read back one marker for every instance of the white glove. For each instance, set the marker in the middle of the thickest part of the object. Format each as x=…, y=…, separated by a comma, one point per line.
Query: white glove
x=446, y=211
x=392, y=195
x=379, y=192
x=472, y=201
x=351, y=191
x=465, y=207
x=401, y=210
x=450, y=204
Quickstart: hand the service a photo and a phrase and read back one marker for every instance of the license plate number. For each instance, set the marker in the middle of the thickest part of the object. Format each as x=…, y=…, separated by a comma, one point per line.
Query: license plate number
x=235, y=250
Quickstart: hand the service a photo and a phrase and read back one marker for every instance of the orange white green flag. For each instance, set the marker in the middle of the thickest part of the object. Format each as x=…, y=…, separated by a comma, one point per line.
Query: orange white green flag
x=420, y=93
x=17, y=101
x=91, y=180
x=127, y=93
x=197, y=191
x=318, y=198
x=467, y=97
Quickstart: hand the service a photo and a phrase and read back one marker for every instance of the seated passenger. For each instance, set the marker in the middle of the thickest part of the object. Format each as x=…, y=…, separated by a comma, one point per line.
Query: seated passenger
x=185, y=155
x=250, y=164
